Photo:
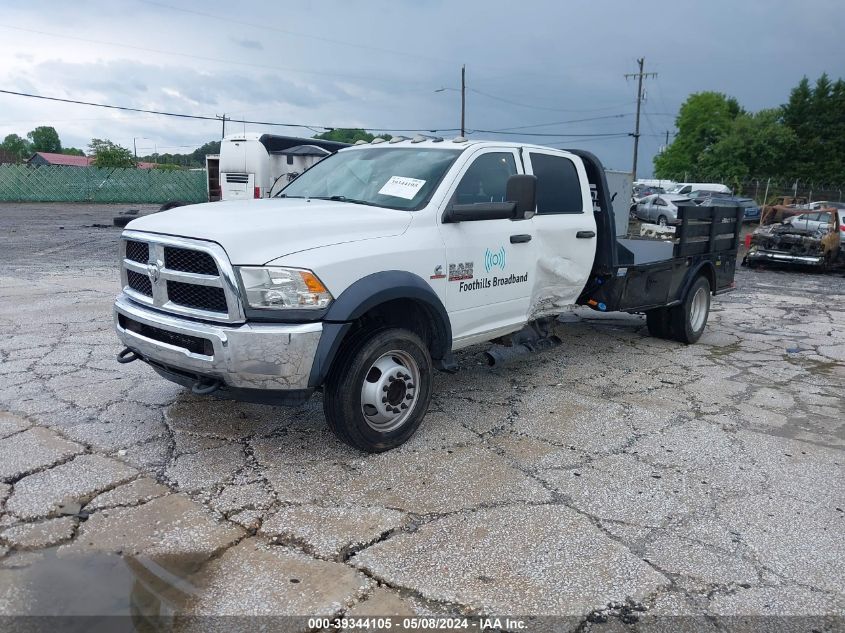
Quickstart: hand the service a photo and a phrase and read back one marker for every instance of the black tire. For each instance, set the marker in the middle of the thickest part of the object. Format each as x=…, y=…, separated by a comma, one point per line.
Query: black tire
x=354, y=373
x=657, y=321
x=172, y=205
x=685, y=320
x=663, y=221
x=123, y=220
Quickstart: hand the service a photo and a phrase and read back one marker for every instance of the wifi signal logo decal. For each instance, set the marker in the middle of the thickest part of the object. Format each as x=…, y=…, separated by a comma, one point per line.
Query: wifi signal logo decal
x=494, y=259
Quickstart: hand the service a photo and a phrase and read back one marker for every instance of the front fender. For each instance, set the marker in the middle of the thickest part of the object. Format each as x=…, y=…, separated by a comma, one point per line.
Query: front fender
x=368, y=293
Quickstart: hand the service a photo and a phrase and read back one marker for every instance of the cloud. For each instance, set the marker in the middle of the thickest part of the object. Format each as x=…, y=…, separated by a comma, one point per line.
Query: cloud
x=249, y=44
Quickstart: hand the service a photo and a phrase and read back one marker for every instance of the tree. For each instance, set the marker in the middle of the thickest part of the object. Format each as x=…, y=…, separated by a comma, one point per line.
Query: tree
x=45, y=139
x=704, y=118
x=108, y=154
x=754, y=145
x=16, y=146
x=72, y=151
x=348, y=135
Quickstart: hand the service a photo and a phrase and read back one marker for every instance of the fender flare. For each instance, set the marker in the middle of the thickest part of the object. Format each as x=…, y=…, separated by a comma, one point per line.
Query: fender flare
x=368, y=293
x=708, y=269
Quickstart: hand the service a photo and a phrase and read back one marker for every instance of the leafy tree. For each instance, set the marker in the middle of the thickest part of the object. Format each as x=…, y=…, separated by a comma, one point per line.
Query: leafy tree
x=72, y=151
x=349, y=135
x=753, y=145
x=704, y=118
x=45, y=139
x=16, y=146
x=167, y=167
x=108, y=154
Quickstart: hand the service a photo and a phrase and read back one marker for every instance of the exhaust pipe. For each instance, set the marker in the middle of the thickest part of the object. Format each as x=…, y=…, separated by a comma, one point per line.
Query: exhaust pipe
x=500, y=354
x=203, y=388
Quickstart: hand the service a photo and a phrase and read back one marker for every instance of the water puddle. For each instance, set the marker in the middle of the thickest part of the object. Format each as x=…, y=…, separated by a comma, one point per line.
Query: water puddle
x=61, y=590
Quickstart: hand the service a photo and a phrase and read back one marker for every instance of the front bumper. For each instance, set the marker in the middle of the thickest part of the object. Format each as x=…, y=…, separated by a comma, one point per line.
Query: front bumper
x=759, y=255
x=250, y=357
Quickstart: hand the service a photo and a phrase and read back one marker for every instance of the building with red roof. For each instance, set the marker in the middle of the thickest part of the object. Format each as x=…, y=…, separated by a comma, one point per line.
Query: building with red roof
x=49, y=158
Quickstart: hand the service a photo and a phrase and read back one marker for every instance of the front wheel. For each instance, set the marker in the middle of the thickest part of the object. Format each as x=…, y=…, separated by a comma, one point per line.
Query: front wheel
x=687, y=321
x=379, y=389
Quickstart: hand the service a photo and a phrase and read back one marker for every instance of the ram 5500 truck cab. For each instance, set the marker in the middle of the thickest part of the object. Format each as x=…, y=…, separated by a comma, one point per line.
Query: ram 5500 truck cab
x=365, y=273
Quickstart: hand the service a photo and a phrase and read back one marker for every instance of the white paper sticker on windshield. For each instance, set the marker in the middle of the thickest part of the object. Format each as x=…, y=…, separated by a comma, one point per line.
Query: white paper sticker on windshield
x=401, y=187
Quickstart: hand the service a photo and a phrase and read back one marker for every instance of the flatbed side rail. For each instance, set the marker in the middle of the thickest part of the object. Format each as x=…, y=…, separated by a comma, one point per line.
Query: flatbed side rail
x=707, y=230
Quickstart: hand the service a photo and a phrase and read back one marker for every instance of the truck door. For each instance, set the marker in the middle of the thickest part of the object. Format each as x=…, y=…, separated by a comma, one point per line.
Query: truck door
x=566, y=230
x=490, y=263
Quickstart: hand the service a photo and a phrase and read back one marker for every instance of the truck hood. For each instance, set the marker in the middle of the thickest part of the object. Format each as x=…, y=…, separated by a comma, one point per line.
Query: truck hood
x=258, y=231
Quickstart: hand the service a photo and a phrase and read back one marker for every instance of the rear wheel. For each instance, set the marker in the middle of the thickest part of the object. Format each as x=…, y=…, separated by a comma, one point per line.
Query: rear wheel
x=378, y=391
x=688, y=320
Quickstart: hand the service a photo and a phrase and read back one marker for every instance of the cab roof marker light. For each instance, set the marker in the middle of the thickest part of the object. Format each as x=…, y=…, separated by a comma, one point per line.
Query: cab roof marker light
x=437, y=139
x=360, y=141
x=377, y=140
x=419, y=138
x=398, y=139
x=459, y=139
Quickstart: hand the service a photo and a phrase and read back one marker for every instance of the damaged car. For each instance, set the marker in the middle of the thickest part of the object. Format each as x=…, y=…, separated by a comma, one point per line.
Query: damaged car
x=810, y=239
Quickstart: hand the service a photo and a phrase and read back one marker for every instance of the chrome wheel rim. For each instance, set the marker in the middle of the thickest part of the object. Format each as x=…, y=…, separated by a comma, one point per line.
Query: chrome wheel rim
x=698, y=309
x=390, y=391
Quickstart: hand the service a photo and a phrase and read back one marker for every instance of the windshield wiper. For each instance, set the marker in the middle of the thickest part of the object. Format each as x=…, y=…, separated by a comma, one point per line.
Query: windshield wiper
x=344, y=199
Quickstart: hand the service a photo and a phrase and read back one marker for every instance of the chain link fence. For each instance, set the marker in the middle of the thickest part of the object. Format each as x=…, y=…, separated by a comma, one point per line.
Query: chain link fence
x=767, y=190
x=54, y=183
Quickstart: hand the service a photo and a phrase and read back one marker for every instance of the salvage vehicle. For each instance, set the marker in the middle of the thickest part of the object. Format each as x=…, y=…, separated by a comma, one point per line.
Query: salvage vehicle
x=661, y=209
x=810, y=239
x=368, y=271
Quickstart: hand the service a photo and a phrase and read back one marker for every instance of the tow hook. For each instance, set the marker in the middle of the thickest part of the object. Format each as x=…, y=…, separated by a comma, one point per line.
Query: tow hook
x=203, y=388
x=127, y=356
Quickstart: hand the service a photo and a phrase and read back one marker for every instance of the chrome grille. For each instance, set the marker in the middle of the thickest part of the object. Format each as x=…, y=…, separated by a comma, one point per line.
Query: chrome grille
x=139, y=283
x=187, y=277
x=192, y=296
x=137, y=251
x=188, y=261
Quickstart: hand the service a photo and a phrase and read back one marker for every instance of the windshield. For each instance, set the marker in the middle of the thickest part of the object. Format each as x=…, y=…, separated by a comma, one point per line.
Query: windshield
x=394, y=177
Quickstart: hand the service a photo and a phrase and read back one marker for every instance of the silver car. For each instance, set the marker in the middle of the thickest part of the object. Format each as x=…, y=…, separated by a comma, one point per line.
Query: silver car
x=660, y=209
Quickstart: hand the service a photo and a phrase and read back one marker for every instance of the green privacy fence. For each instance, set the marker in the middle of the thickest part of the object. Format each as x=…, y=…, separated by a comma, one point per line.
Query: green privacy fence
x=54, y=183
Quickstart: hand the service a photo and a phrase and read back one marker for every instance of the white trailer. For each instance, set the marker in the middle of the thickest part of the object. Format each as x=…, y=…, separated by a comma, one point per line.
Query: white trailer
x=256, y=165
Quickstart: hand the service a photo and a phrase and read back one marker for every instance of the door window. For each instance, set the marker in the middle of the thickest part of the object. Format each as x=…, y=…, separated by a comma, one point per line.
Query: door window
x=558, y=186
x=486, y=180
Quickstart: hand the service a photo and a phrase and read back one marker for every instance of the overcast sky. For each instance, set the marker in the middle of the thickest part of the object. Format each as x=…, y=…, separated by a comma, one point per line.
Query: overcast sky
x=536, y=65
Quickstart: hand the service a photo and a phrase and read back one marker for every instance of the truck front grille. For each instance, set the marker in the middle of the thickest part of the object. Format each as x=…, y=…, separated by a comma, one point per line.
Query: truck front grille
x=199, y=297
x=137, y=251
x=238, y=178
x=186, y=277
x=140, y=283
x=189, y=261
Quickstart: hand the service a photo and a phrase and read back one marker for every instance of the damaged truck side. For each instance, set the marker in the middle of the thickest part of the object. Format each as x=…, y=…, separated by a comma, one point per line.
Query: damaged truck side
x=368, y=271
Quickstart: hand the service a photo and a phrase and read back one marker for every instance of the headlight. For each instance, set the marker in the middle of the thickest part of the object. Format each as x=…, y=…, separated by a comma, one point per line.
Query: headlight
x=275, y=288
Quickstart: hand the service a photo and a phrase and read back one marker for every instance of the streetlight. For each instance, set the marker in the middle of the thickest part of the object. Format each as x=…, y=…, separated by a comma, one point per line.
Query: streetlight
x=135, y=146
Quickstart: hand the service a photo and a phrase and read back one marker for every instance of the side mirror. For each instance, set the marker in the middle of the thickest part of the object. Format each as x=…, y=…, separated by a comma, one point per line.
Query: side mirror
x=522, y=189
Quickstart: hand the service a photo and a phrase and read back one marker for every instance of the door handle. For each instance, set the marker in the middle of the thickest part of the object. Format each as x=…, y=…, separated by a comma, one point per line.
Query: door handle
x=584, y=235
x=520, y=239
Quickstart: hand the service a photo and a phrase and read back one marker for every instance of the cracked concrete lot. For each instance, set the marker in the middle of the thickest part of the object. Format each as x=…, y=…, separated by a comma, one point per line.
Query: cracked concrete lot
x=616, y=478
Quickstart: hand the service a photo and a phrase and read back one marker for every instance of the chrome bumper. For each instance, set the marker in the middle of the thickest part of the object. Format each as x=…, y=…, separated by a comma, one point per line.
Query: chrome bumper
x=774, y=256
x=248, y=356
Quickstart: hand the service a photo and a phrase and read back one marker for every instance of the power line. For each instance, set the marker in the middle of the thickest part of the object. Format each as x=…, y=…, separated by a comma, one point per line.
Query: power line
x=216, y=60
x=215, y=118
x=544, y=134
x=300, y=34
x=595, y=118
x=536, y=107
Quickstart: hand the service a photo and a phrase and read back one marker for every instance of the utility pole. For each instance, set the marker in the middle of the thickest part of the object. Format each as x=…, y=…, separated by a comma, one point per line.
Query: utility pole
x=667, y=138
x=640, y=75
x=223, y=117
x=463, y=97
